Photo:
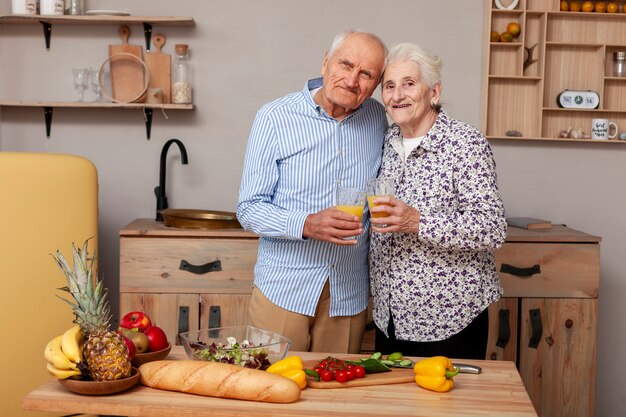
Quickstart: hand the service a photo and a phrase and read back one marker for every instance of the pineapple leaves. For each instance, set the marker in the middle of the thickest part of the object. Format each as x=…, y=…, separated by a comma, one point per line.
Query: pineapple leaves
x=88, y=295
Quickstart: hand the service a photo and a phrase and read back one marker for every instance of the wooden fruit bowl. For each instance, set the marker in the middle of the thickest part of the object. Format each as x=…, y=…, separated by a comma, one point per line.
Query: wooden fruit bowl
x=89, y=387
x=141, y=358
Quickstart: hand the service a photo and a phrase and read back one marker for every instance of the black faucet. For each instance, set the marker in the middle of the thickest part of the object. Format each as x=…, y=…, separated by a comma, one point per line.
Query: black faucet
x=160, y=190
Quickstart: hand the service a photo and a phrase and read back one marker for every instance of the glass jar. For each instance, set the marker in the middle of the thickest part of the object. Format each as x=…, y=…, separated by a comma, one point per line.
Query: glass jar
x=619, y=63
x=74, y=7
x=181, y=76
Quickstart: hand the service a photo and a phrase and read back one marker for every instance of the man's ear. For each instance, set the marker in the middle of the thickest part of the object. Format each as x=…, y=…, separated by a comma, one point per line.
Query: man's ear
x=324, y=63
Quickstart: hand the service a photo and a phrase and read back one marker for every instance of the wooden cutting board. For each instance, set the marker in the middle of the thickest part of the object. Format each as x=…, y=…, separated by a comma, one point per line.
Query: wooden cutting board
x=159, y=65
x=396, y=376
x=127, y=73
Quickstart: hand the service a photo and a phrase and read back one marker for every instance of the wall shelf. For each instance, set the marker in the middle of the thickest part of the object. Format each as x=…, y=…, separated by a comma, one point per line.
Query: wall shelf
x=48, y=20
x=48, y=108
x=568, y=51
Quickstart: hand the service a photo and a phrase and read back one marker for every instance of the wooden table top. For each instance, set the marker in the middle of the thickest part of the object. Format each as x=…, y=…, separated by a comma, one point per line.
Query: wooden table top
x=497, y=391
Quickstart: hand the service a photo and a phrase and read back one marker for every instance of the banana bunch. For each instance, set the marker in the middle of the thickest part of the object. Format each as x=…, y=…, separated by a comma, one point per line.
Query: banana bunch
x=64, y=353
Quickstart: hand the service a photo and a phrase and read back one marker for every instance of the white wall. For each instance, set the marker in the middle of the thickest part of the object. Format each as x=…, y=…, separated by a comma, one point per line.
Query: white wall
x=247, y=52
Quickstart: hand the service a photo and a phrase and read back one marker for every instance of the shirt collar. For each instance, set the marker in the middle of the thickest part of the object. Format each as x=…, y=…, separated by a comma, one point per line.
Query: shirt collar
x=311, y=85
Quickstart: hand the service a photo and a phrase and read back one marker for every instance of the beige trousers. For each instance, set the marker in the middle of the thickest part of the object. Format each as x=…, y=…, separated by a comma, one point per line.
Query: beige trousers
x=320, y=333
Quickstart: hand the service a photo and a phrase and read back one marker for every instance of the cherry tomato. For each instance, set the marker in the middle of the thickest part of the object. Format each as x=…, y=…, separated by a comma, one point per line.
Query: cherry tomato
x=326, y=375
x=318, y=369
x=359, y=371
x=349, y=374
x=341, y=377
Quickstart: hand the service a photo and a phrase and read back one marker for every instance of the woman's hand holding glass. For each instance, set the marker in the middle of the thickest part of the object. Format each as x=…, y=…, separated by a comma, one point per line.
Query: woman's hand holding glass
x=387, y=213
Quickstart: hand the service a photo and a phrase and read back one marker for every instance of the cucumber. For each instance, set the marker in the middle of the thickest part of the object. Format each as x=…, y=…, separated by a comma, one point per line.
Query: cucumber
x=388, y=362
x=395, y=356
x=374, y=366
x=405, y=362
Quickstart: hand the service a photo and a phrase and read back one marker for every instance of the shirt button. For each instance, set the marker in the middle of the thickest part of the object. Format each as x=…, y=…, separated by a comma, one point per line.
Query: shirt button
x=332, y=266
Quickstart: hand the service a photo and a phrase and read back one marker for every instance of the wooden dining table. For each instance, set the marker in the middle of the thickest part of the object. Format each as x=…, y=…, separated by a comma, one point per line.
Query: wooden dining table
x=497, y=391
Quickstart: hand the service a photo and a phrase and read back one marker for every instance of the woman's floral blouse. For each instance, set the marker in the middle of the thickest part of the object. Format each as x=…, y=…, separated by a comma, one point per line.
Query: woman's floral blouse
x=436, y=281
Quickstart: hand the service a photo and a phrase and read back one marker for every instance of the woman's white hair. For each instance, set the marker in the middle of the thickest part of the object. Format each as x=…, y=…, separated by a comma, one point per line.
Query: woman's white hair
x=430, y=65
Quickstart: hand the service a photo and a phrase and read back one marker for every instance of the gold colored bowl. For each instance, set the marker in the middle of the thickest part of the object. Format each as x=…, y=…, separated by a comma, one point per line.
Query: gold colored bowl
x=199, y=219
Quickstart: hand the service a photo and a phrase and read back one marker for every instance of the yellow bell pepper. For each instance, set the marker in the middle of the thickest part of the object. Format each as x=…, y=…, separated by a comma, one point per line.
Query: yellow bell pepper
x=435, y=373
x=292, y=368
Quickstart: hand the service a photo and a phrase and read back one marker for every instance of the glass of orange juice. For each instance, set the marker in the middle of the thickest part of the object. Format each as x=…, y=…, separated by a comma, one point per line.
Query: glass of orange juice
x=379, y=187
x=351, y=201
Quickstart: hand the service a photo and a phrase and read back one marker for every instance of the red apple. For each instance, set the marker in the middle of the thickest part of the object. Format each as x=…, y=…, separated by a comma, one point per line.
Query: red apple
x=131, y=347
x=157, y=337
x=136, y=320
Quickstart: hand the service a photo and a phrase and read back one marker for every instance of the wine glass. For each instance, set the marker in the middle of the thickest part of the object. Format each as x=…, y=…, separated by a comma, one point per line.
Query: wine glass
x=94, y=74
x=81, y=76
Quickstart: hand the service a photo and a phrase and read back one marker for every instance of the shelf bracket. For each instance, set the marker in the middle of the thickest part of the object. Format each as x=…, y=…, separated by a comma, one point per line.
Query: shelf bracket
x=47, y=33
x=47, y=112
x=147, y=32
x=147, y=113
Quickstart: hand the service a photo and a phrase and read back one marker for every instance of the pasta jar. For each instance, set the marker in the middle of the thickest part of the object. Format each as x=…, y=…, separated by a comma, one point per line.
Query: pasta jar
x=181, y=74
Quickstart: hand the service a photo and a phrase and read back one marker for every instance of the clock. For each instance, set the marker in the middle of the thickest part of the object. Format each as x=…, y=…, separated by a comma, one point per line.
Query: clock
x=578, y=99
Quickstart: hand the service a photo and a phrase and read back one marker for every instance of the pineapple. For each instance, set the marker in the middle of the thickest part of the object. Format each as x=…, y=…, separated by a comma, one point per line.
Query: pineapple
x=104, y=351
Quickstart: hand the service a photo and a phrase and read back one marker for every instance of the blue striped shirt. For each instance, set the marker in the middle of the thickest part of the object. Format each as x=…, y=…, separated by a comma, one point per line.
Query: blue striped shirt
x=297, y=155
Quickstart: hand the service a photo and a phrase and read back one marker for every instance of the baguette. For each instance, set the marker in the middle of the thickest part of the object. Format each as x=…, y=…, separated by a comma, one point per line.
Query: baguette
x=219, y=380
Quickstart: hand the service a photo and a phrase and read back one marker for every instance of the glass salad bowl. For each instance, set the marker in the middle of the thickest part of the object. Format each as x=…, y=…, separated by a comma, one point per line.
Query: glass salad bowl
x=246, y=346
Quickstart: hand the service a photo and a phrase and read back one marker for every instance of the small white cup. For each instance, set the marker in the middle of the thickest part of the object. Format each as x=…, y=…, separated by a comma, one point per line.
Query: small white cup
x=601, y=129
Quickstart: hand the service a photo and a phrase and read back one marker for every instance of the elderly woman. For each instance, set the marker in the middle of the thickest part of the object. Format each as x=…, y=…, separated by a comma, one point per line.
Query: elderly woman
x=431, y=258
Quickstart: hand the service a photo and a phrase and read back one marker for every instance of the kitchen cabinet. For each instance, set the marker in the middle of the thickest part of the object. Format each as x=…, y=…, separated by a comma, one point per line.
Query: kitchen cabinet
x=556, y=51
x=186, y=279
x=547, y=321
x=155, y=276
x=48, y=21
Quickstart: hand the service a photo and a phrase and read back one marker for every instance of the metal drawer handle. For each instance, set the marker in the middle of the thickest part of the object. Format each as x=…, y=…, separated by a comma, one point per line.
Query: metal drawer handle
x=215, y=320
x=200, y=269
x=520, y=272
x=504, y=328
x=536, y=327
x=183, y=320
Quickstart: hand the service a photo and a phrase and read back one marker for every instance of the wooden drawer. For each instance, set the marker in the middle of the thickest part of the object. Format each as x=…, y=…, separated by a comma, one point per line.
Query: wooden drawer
x=561, y=270
x=154, y=265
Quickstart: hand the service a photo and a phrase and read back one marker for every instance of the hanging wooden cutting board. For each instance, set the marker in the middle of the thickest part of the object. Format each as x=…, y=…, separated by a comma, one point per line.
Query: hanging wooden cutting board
x=127, y=73
x=396, y=376
x=159, y=65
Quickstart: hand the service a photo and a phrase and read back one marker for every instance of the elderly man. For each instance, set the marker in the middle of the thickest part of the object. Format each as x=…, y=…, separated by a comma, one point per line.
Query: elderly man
x=311, y=277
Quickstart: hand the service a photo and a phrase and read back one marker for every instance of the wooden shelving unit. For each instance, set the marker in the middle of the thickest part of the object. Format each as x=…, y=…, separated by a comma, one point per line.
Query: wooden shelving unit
x=47, y=22
x=571, y=51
